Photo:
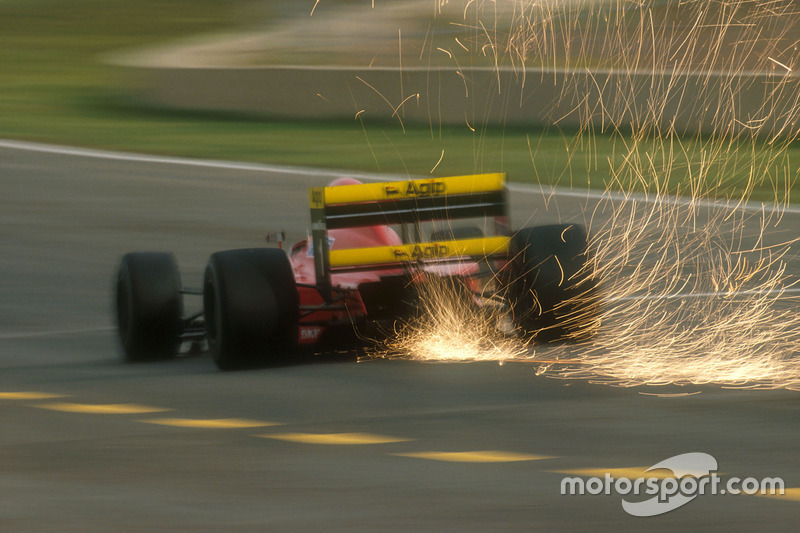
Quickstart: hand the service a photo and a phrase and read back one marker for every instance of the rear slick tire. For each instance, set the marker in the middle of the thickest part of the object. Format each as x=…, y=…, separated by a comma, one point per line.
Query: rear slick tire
x=149, y=306
x=553, y=292
x=251, y=308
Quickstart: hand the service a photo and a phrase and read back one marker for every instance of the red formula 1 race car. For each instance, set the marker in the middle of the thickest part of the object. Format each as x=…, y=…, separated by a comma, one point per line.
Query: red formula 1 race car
x=359, y=271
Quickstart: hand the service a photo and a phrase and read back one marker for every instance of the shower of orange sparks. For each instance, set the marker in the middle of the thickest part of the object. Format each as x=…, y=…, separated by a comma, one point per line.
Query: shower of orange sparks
x=738, y=328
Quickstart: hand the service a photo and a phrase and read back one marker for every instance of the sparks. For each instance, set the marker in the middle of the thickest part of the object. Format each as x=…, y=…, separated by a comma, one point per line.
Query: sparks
x=698, y=288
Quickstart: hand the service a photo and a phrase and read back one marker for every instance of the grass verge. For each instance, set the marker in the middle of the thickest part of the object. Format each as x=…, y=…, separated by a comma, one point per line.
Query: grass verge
x=54, y=89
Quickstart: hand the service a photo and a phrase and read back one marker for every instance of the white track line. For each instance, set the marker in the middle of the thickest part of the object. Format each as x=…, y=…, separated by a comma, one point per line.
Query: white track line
x=170, y=160
x=333, y=173
x=688, y=295
x=53, y=333
x=308, y=171
x=750, y=207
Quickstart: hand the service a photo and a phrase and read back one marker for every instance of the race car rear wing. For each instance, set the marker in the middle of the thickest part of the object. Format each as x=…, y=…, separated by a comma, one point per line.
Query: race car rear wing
x=406, y=202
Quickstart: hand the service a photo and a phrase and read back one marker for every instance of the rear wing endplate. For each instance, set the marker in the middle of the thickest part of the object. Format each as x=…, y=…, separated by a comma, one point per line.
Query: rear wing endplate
x=406, y=202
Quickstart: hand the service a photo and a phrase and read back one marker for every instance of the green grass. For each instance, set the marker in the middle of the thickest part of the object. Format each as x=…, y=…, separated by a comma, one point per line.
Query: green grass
x=54, y=88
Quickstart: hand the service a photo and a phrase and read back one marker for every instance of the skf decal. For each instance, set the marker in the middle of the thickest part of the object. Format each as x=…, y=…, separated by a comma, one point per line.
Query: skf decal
x=309, y=334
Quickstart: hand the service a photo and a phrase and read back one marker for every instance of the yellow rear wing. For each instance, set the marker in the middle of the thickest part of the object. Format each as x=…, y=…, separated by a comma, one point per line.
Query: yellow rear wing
x=408, y=253
x=412, y=189
x=407, y=202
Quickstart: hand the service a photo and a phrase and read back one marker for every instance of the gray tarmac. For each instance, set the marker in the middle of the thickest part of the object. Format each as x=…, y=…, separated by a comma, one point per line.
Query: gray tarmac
x=69, y=462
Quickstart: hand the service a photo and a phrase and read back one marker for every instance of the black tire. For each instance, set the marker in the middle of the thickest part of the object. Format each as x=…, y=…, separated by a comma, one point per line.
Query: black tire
x=553, y=290
x=457, y=233
x=148, y=306
x=251, y=308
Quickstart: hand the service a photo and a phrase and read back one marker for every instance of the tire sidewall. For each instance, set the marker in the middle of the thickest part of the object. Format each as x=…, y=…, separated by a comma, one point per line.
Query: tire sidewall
x=251, y=308
x=552, y=288
x=148, y=306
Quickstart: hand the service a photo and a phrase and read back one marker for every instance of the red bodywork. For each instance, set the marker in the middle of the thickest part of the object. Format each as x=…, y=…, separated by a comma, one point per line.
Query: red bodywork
x=351, y=307
x=303, y=266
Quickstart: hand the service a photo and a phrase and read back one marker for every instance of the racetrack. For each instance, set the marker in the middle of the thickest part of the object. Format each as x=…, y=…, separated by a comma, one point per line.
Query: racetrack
x=97, y=445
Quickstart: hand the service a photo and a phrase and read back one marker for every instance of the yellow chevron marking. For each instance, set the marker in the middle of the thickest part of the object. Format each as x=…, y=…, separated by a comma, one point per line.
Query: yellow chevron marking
x=29, y=395
x=634, y=472
x=792, y=495
x=488, y=456
x=218, y=423
x=101, y=409
x=334, y=438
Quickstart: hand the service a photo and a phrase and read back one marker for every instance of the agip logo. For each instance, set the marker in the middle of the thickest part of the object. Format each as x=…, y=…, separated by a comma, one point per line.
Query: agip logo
x=415, y=189
x=418, y=252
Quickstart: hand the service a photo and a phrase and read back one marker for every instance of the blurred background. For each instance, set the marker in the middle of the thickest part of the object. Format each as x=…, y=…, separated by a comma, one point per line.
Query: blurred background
x=660, y=96
x=546, y=91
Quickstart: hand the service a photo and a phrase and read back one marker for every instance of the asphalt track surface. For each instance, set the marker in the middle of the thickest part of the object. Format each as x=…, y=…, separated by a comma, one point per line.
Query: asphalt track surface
x=92, y=444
